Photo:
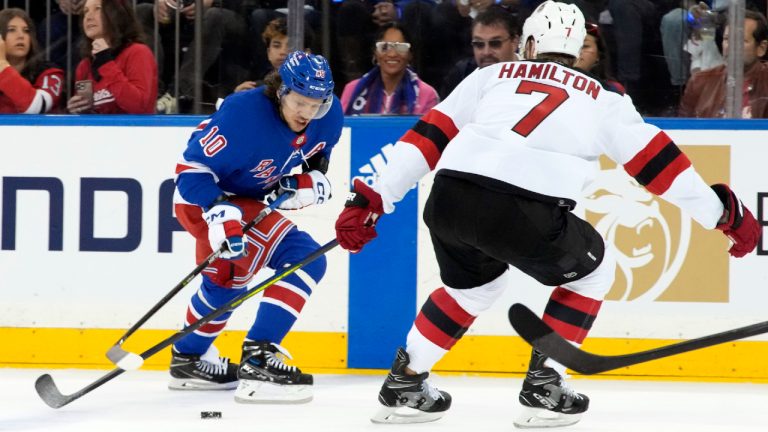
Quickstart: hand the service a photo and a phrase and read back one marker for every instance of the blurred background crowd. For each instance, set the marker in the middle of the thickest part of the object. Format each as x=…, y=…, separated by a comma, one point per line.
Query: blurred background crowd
x=388, y=57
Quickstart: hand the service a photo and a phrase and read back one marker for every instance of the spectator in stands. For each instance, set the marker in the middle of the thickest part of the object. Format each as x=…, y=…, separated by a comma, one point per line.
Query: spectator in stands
x=495, y=38
x=705, y=92
x=638, y=54
x=120, y=67
x=391, y=87
x=28, y=85
x=594, y=58
x=689, y=42
x=225, y=34
x=55, y=27
x=359, y=22
x=701, y=45
x=473, y=8
x=266, y=12
x=275, y=38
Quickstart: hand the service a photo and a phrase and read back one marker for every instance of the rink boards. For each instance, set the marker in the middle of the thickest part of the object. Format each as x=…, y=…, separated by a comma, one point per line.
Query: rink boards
x=89, y=243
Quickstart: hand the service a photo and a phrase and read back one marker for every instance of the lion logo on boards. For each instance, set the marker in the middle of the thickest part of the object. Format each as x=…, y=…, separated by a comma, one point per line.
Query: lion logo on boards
x=661, y=253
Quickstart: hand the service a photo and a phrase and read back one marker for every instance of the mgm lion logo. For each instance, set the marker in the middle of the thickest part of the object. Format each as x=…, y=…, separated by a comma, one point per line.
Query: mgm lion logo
x=661, y=253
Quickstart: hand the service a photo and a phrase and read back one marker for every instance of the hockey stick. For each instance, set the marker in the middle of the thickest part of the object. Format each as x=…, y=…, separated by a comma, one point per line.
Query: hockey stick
x=128, y=360
x=537, y=333
x=50, y=394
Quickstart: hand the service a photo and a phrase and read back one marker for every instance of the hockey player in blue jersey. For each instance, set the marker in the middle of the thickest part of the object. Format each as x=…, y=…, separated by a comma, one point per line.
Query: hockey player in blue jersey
x=240, y=156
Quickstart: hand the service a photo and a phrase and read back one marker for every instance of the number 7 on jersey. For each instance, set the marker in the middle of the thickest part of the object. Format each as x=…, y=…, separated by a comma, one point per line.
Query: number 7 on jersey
x=555, y=97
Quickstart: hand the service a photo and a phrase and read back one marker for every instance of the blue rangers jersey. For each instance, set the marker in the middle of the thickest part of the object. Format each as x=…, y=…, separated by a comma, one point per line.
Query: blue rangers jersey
x=245, y=148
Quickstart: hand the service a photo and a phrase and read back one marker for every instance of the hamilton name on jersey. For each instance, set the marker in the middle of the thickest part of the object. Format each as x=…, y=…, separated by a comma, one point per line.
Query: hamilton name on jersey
x=551, y=72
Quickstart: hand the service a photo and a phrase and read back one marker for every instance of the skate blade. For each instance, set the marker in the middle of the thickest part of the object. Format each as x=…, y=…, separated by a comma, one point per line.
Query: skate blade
x=199, y=385
x=535, y=418
x=404, y=415
x=255, y=392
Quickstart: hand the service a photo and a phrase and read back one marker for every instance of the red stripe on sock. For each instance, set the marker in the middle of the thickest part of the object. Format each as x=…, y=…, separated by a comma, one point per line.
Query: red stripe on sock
x=433, y=333
x=570, y=332
x=286, y=296
x=576, y=301
x=211, y=328
x=450, y=307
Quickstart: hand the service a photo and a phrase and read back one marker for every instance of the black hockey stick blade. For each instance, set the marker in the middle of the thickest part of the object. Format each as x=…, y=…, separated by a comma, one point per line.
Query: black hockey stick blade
x=537, y=333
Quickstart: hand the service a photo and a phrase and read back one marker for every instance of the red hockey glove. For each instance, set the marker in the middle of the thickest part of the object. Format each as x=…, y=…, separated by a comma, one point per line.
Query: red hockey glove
x=356, y=224
x=737, y=222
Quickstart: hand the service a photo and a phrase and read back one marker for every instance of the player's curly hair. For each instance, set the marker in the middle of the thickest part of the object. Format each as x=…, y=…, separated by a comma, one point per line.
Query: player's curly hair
x=272, y=81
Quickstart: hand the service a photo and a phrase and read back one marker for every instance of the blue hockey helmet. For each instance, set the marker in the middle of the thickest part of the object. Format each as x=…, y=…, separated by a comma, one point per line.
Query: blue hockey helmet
x=308, y=75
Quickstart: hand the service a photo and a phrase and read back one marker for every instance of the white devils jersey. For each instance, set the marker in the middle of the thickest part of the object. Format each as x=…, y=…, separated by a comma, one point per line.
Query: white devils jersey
x=541, y=126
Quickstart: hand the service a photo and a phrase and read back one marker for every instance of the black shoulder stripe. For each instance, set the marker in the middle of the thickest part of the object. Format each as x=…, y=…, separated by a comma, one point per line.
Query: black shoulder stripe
x=432, y=133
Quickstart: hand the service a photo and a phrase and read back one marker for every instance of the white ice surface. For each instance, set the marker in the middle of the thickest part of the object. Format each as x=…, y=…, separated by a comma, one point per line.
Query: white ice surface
x=139, y=401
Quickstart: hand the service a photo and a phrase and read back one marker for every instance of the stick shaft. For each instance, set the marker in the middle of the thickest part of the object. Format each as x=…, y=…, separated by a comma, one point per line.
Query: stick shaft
x=47, y=390
x=197, y=270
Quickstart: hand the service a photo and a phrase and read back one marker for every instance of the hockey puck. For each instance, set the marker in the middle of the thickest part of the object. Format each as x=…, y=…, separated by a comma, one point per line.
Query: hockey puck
x=210, y=414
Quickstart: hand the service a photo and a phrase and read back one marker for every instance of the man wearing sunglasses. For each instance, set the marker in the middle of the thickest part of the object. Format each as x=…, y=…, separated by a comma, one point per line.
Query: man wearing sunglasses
x=495, y=37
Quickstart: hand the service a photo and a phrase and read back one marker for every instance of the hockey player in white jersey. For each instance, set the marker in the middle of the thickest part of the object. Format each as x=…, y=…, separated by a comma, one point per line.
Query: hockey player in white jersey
x=513, y=146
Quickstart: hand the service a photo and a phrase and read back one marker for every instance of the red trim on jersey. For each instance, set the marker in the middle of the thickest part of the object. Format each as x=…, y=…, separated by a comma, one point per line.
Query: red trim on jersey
x=576, y=301
x=568, y=331
x=667, y=174
x=664, y=180
x=210, y=327
x=202, y=124
x=426, y=146
x=641, y=159
x=429, y=149
x=443, y=122
x=180, y=168
x=287, y=296
x=17, y=94
x=450, y=307
x=433, y=333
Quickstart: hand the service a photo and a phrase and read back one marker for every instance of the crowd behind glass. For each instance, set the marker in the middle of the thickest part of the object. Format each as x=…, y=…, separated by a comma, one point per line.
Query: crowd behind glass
x=401, y=57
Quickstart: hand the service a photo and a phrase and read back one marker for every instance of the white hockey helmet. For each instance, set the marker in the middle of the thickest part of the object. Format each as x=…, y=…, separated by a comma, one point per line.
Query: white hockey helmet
x=556, y=28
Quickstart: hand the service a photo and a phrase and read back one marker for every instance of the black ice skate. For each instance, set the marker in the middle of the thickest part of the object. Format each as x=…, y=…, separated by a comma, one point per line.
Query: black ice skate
x=547, y=399
x=206, y=372
x=412, y=393
x=264, y=378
